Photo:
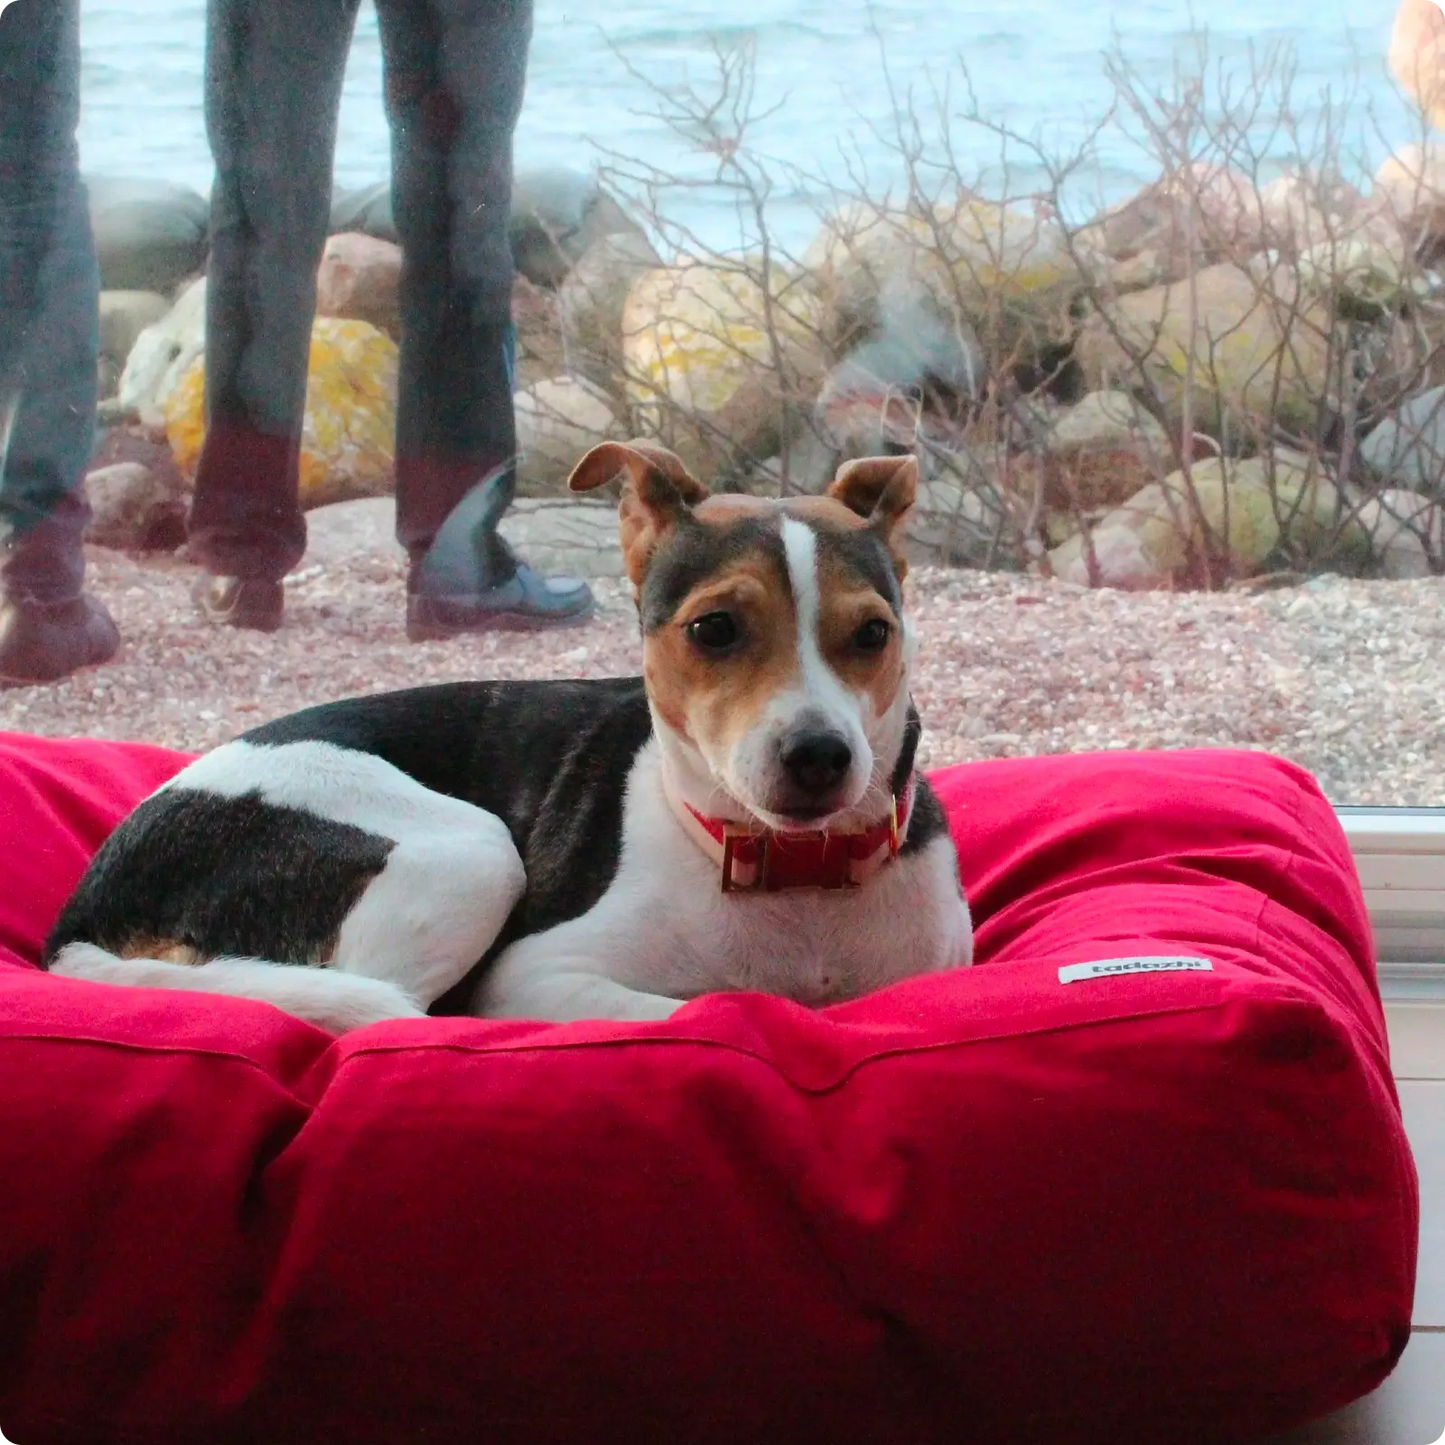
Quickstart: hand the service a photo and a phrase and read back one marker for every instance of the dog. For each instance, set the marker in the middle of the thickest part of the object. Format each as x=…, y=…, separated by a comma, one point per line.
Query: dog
x=746, y=815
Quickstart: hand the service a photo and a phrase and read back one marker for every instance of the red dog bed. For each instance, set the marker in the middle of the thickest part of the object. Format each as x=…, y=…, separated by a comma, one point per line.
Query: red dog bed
x=988, y=1206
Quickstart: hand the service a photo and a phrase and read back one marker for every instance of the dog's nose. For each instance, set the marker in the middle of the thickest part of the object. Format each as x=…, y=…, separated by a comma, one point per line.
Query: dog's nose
x=817, y=761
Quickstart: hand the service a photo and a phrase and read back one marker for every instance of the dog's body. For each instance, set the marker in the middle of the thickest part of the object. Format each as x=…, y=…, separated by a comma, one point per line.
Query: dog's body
x=559, y=850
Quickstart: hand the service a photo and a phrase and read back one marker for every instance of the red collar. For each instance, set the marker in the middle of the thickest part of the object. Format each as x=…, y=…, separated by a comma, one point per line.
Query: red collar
x=760, y=860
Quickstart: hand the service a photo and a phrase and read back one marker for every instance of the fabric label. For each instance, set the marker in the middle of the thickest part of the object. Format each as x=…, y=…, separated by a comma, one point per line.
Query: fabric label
x=1106, y=967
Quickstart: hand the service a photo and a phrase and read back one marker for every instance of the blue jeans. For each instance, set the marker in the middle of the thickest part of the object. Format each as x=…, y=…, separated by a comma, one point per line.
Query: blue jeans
x=49, y=287
x=455, y=71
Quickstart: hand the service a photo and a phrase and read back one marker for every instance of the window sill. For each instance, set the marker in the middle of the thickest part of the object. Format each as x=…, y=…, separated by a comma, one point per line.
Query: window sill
x=1400, y=855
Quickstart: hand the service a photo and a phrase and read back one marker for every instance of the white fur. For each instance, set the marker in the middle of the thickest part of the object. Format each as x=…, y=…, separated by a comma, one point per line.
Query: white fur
x=447, y=887
x=336, y=1002
x=665, y=932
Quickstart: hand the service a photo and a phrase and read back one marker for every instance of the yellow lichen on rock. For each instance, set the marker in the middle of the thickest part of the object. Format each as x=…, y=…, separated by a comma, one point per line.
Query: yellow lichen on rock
x=348, y=439
x=710, y=356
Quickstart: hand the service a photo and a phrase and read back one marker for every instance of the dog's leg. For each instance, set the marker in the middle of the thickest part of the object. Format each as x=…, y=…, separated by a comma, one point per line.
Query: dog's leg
x=522, y=984
x=336, y=1002
x=435, y=908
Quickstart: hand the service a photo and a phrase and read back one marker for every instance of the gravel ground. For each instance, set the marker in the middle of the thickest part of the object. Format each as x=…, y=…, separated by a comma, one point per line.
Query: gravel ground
x=1346, y=678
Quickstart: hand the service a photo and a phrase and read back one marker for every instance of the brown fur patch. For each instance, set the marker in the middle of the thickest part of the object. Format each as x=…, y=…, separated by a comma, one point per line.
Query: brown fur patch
x=845, y=603
x=713, y=701
x=167, y=950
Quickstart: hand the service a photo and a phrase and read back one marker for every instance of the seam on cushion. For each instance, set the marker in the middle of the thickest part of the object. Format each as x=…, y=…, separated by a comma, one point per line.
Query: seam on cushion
x=1289, y=992
x=174, y=1050
x=1293, y=994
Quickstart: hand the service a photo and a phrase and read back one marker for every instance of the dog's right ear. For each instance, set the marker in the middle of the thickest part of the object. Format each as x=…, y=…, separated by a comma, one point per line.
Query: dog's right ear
x=658, y=492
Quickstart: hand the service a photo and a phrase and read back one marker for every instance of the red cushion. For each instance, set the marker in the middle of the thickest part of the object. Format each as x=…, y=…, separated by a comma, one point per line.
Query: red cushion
x=985, y=1206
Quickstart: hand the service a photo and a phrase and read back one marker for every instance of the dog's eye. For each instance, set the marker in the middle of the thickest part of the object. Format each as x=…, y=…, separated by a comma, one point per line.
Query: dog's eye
x=872, y=636
x=714, y=631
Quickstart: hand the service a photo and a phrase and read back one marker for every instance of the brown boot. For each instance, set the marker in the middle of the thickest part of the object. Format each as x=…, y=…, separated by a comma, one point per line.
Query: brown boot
x=44, y=642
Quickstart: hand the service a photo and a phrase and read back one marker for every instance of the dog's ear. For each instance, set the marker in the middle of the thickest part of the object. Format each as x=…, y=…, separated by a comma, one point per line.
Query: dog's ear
x=658, y=492
x=883, y=490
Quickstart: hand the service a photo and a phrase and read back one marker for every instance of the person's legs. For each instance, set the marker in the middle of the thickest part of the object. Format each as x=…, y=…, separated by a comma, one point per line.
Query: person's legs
x=48, y=352
x=455, y=71
x=274, y=70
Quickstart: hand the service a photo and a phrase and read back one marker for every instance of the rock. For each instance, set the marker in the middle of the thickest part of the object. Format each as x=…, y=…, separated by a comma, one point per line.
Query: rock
x=123, y=316
x=348, y=440
x=1303, y=209
x=1410, y=189
x=980, y=263
x=561, y=538
x=1417, y=56
x=1240, y=516
x=1362, y=278
x=557, y=214
x=135, y=509
x=135, y=443
x=916, y=374
x=365, y=210
x=700, y=346
x=149, y=234
x=161, y=354
x=1260, y=356
x=1200, y=215
x=358, y=280
x=1407, y=534
x=958, y=523
x=590, y=304
x=540, y=353
x=557, y=421
x=1105, y=448
x=1408, y=449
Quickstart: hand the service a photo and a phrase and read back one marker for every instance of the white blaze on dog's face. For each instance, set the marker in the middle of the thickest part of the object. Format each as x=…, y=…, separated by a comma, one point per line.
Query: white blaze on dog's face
x=775, y=650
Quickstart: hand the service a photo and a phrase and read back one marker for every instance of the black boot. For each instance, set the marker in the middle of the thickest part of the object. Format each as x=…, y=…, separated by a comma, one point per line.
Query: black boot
x=469, y=580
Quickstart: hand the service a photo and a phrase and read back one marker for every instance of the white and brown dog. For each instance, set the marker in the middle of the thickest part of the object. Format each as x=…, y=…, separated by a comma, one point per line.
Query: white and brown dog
x=745, y=815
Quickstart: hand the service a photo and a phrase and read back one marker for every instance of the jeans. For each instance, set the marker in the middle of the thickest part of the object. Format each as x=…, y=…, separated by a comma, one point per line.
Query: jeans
x=49, y=285
x=455, y=71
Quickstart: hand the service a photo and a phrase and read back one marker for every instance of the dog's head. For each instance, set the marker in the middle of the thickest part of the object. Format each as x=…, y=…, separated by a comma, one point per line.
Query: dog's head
x=775, y=650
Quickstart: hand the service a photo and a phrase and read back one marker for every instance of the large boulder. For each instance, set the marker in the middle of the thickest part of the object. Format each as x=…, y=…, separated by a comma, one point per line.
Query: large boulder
x=1407, y=534
x=1407, y=450
x=149, y=234
x=364, y=210
x=590, y=303
x=1410, y=189
x=359, y=280
x=540, y=353
x=716, y=363
x=135, y=509
x=557, y=214
x=1003, y=270
x=917, y=374
x=162, y=353
x=123, y=316
x=1228, y=518
x=557, y=421
x=1196, y=216
x=1104, y=449
x=347, y=445
x=1260, y=354
x=1417, y=56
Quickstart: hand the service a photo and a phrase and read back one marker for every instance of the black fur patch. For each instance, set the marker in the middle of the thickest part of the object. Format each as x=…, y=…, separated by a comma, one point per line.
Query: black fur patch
x=235, y=876
x=863, y=555
x=694, y=551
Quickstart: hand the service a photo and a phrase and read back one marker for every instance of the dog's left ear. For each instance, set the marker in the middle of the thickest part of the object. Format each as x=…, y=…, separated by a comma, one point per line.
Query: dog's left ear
x=883, y=490
x=658, y=492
